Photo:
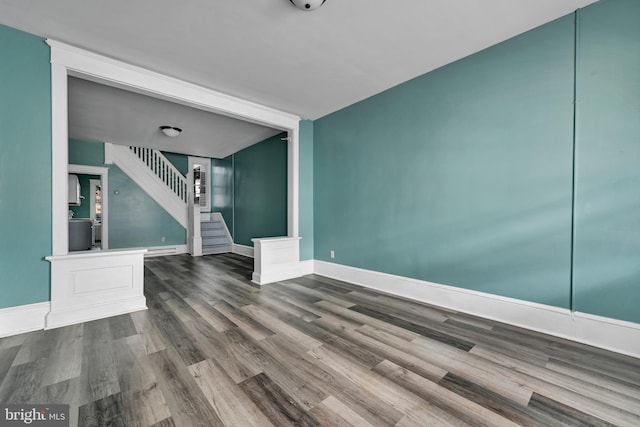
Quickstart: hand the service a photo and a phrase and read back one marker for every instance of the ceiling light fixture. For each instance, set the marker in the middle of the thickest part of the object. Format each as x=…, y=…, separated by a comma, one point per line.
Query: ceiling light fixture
x=171, y=131
x=307, y=5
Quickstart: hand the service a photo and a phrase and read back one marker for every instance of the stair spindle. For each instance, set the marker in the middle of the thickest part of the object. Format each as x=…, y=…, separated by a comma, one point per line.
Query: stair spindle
x=164, y=170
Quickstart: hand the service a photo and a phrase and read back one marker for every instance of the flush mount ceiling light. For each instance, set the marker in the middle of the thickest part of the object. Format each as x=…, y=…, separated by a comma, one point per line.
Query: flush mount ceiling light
x=307, y=5
x=170, y=131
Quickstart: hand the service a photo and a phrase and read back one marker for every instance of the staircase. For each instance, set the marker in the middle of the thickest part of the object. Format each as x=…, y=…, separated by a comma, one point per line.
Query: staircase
x=150, y=169
x=215, y=237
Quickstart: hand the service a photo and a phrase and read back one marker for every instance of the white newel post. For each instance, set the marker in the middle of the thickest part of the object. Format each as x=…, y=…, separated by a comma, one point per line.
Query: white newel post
x=195, y=236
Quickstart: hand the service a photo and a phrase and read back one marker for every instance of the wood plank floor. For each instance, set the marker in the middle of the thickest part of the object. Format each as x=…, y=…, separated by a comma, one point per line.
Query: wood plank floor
x=212, y=350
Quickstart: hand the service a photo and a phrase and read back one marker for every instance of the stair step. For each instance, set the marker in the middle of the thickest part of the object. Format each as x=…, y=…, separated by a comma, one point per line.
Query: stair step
x=216, y=249
x=219, y=240
x=213, y=233
x=211, y=225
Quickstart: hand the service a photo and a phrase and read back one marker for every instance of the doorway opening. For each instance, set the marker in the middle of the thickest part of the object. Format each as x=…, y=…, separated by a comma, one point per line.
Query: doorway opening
x=91, y=211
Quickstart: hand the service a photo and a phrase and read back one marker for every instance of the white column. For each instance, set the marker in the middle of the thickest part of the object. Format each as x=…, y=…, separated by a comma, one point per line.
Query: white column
x=293, y=181
x=59, y=160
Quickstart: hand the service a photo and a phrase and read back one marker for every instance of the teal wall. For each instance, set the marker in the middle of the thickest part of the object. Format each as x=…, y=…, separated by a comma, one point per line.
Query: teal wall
x=464, y=176
x=607, y=216
x=305, y=202
x=135, y=219
x=88, y=153
x=461, y=176
x=25, y=168
x=260, y=191
x=84, y=210
x=222, y=189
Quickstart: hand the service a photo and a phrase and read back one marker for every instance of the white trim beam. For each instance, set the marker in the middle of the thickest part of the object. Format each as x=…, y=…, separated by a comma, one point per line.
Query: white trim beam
x=102, y=69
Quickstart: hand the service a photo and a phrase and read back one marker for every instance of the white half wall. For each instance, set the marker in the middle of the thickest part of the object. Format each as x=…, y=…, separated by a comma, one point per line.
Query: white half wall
x=275, y=259
x=610, y=334
x=95, y=284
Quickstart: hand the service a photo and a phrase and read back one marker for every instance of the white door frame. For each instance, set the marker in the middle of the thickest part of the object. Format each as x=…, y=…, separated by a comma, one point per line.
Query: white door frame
x=93, y=184
x=68, y=61
x=104, y=178
x=193, y=160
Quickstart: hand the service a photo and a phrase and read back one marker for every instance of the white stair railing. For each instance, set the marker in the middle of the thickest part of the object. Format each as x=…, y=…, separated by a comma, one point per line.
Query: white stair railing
x=164, y=170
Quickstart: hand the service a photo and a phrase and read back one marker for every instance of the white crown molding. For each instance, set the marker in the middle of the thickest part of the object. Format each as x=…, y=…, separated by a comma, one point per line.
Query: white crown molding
x=610, y=334
x=23, y=318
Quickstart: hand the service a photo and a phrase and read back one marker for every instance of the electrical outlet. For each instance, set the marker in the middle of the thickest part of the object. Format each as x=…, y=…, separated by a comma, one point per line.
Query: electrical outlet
x=162, y=239
x=333, y=254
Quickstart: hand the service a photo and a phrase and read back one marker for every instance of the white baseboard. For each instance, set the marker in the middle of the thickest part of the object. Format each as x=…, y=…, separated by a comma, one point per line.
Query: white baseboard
x=610, y=334
x=56, y=319
x=242, y=250
x=306, y=267
x=23, y=318
x=262, y=279
x=166, y=250
x=295, y=270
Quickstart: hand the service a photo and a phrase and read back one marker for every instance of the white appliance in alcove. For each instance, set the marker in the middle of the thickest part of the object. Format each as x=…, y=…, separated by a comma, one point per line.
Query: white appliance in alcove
x=74, y=190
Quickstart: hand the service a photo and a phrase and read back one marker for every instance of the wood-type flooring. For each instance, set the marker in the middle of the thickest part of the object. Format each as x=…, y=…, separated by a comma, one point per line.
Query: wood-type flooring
x=213, y=350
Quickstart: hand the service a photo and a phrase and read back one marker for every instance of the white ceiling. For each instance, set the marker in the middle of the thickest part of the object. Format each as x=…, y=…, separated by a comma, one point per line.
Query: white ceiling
x=267, y=51
x=102, y=113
